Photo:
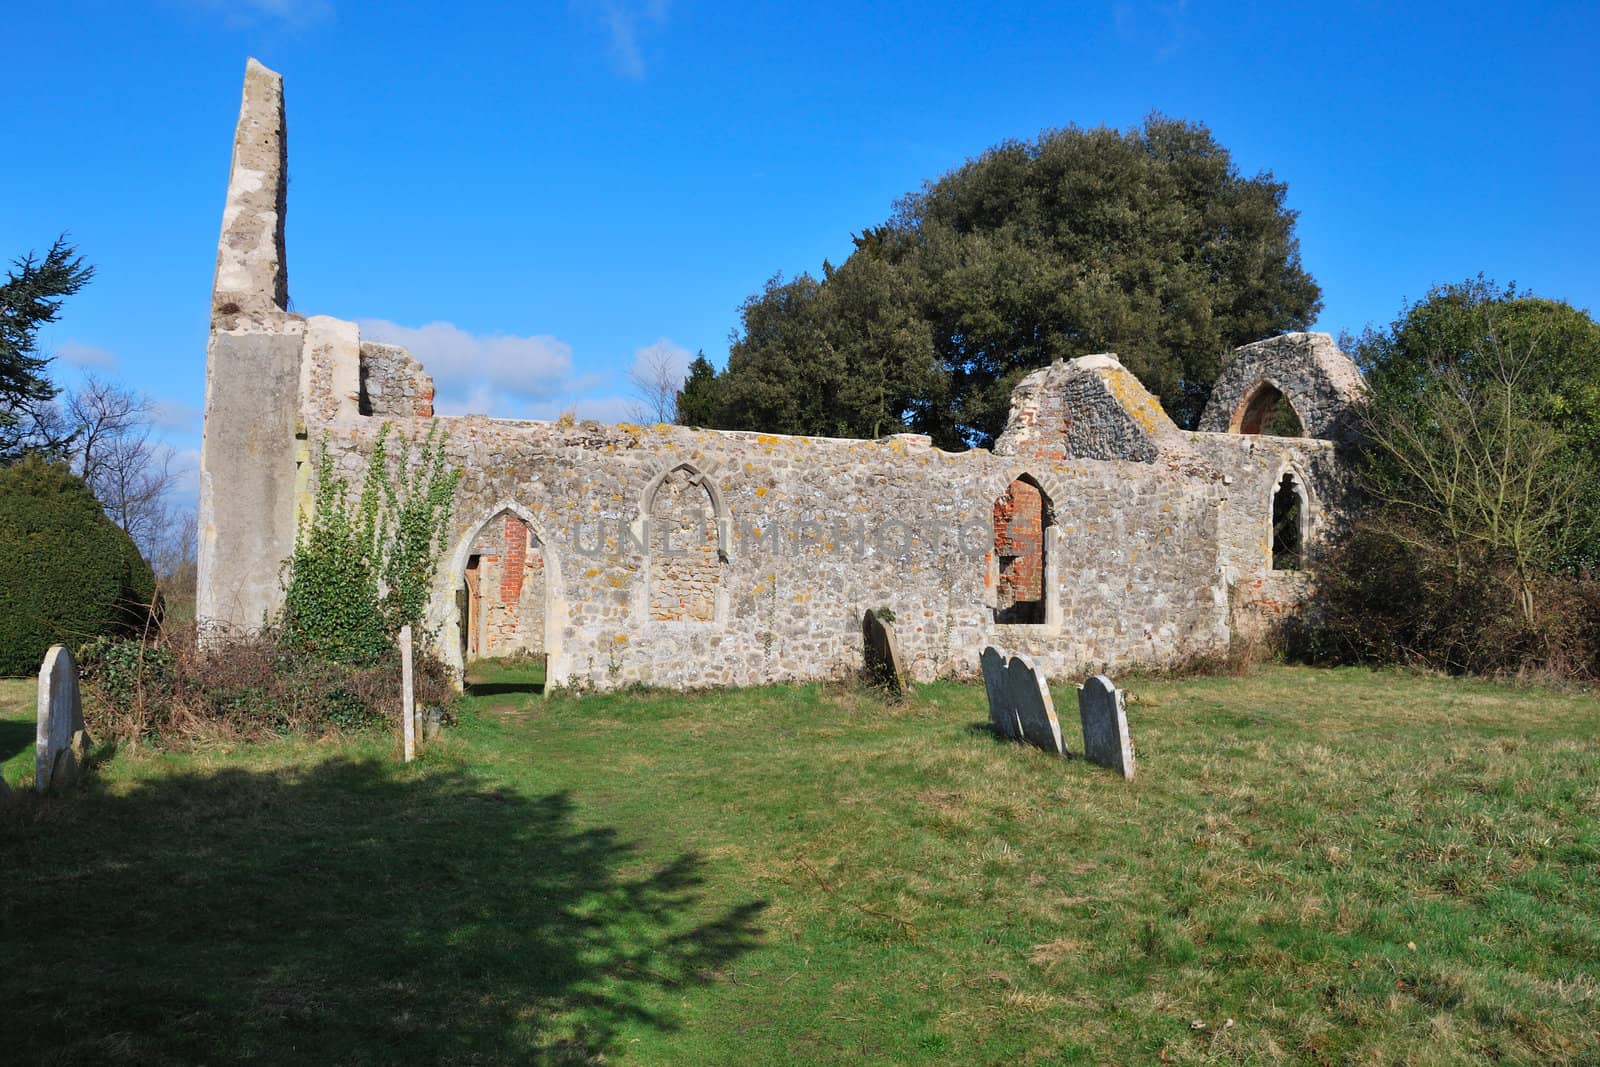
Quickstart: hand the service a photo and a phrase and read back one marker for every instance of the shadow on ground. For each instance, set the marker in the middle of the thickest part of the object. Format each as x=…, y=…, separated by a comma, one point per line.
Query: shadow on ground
x=494, y=689
x=348, y=912
x=16, y=735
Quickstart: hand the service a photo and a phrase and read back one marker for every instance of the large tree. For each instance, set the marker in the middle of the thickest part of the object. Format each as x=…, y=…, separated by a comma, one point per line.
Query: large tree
x=31, y=297
x=1146, y=242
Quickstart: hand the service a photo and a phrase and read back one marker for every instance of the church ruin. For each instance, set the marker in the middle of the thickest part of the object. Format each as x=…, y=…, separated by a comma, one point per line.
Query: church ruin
x=1096, y=533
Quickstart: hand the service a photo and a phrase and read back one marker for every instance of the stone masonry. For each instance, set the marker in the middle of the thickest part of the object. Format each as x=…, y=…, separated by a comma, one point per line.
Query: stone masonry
x=683, y=557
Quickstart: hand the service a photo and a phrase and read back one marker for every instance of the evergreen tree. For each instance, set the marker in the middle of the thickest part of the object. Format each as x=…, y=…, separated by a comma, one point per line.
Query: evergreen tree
x=31, y=297
x=1148, y=243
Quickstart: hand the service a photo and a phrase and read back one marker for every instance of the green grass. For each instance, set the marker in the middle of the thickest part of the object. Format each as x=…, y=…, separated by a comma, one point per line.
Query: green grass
x=1311, y=867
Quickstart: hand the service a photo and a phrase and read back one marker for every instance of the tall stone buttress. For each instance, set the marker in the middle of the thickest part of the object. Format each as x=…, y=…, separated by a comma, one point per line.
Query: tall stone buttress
x=251, y=443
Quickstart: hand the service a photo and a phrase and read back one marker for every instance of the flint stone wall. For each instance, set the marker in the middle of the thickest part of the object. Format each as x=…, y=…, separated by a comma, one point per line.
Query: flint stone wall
x=821, y=531
x=1149, y=562
x=393, y=382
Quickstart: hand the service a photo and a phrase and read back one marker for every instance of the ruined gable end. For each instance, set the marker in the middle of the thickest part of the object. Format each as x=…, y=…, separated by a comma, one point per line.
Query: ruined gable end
x=1091, y=407
x=1304, y=370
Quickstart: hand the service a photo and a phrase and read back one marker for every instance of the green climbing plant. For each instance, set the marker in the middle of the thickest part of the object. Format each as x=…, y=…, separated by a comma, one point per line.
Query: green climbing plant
x=363, y=569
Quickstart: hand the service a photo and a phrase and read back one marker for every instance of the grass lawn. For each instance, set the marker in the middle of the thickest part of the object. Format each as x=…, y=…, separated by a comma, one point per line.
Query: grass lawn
x=1312, y=866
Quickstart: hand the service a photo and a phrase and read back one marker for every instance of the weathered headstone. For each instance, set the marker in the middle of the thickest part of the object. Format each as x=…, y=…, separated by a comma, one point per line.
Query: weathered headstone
x=1002, y=716
x=1103, y=710
x=1029, y=694
x=884, y=664
x=61, y=742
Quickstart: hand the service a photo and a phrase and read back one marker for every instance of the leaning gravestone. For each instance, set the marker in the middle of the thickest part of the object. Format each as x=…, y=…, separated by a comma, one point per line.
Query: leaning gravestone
x=1104, y=712
x=1029, y=693
x=61, y=743
x=1002, y=716
x=884, y=664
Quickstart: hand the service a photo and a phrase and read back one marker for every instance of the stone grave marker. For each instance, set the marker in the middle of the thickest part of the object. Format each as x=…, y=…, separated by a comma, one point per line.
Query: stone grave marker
x=1002, y=716
x=1103, y=710
x=61, y=742
x=884, y=664
x=1029, y=694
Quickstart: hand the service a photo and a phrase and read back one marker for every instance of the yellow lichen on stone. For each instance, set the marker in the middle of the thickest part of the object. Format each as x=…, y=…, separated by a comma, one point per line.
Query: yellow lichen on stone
x=1136, y=400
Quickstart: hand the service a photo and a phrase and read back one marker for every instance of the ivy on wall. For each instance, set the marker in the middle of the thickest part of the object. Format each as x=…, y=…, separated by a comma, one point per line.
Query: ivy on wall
x=362, y=570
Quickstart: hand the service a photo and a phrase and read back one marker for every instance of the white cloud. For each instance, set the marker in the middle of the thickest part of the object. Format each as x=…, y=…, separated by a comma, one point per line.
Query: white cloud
x=623, y=20
x=508, y=376
x=186, y=468
x=492, y=374
x=666, y=354
x=608, y=408
x=176, y=416
x=86, y=357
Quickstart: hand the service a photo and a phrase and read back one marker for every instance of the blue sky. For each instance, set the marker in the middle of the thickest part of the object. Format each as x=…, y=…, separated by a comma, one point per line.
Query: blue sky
x=532, y=194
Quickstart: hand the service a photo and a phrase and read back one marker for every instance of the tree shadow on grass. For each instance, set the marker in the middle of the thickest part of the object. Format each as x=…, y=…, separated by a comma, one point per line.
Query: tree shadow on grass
x=16, y=735
x=347, y=912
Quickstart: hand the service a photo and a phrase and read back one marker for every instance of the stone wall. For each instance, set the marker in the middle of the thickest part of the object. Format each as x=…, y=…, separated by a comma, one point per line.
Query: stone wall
x=681, y=557
x=393, y=383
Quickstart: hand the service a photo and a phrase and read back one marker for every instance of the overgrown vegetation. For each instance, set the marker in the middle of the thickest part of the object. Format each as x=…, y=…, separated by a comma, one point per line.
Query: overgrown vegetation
x=1313, y=866
x=67, y=573
x=177, y=693
x=1481, y=465
x=362, y=570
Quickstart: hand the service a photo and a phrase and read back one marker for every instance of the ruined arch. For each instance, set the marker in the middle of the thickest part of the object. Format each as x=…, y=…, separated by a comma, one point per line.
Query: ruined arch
x=1320, y=383
x=544, y=597
x=1024, y=561
x=1265, y=409
x=719, y=507
x=684, y=527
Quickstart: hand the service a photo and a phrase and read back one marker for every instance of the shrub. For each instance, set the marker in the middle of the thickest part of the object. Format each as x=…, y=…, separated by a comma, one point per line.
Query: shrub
x=241, y=687
x=67, y=573
x=1382, y=599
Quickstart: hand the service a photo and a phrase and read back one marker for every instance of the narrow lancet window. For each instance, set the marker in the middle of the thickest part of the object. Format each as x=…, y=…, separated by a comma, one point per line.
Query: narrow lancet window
x=1288, y=520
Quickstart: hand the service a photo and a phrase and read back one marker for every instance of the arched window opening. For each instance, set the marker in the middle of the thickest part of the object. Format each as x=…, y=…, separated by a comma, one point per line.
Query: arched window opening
x=685, y=565
x=502, y=599
x=1268, y=411
x=1022, y=514
x=1288, y=525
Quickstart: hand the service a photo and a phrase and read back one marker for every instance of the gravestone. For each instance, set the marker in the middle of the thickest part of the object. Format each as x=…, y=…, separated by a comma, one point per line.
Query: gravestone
x=884, y=664
x=1029, y=694
x=61, y=742
x=1002, y=716
x=1103, y=710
